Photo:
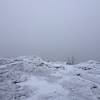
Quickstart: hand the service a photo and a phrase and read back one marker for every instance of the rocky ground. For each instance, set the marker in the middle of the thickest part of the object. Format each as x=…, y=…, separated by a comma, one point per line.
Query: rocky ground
x=31, y=78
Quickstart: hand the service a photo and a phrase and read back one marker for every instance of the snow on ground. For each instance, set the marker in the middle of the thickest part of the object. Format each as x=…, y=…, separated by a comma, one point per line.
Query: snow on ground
x=32, y=78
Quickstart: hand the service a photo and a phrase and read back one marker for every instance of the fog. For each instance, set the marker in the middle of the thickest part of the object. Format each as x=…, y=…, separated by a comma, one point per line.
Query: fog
x=53, y=29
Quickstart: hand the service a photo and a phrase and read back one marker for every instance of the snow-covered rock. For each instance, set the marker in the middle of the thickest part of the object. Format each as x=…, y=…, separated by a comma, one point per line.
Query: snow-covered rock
x=32, y=78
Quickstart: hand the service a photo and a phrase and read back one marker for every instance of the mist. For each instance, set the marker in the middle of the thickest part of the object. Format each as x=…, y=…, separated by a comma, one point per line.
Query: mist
x=53, y=29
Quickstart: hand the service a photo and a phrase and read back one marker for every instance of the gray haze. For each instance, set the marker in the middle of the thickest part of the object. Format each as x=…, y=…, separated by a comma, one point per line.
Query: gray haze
x=54, y=29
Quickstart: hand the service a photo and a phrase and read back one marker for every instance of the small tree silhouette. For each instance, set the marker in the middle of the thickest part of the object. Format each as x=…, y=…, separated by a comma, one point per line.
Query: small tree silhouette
x=70, y=60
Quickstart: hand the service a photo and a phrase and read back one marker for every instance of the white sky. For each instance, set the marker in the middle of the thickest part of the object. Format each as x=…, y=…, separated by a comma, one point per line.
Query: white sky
x=54, y=29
